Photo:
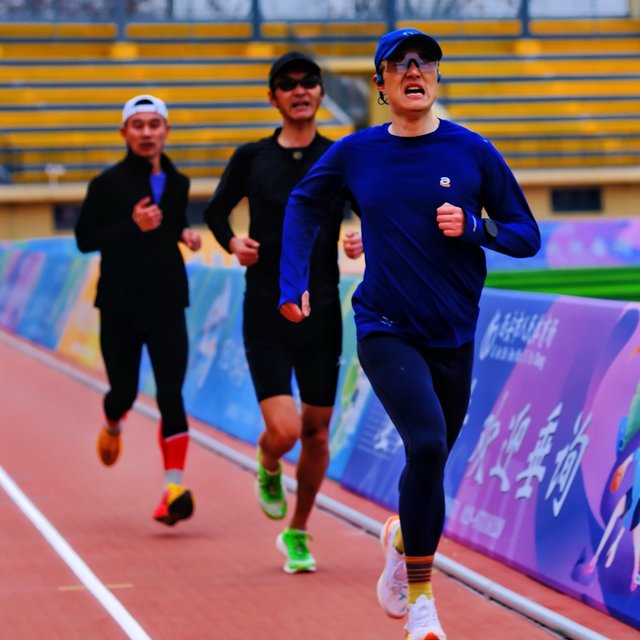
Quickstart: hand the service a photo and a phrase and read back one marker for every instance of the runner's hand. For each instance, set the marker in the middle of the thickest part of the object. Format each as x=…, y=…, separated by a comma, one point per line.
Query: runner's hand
x=451, y=220
x=297, y=313
x=245, y=249
x=191, y=238
x=352, y=245
x=147, y=216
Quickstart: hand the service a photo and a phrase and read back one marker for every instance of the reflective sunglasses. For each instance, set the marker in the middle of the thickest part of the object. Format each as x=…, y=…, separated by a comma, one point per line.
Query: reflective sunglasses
x=401, y=65
x=289, y=84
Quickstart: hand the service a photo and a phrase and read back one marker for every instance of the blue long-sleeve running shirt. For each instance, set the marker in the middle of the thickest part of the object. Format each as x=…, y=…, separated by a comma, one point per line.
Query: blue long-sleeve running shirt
x=418, y=283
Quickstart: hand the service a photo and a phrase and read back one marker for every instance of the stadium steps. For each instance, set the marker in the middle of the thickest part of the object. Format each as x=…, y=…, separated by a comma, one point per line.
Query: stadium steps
x=204, y=157
x=140, y=50
x=358, y=52
x=43, y=95
x=48, y=109
x=66, y=111
x=589, y=26
x=183, y=114
x=202, y=150
x=580, y=116
x=148, y=72
x=83, y=141
x=546, y=101
x=158, y=40
x=563, y=27
x=188, y=30
x=47, y=31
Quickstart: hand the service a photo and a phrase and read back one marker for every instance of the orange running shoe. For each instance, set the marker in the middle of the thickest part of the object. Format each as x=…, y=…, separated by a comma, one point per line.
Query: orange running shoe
x=108, y=446
x=176, y=504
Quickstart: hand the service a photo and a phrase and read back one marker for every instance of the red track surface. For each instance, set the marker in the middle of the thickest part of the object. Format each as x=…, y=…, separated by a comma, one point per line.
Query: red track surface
x=216, y=576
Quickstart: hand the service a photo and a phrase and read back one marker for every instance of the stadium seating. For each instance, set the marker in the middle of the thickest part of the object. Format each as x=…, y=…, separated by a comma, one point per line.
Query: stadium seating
x=568, y=96
x=62, y=95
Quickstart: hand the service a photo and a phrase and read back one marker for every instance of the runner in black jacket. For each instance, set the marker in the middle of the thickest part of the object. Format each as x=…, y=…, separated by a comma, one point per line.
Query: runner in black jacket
x=134, y=214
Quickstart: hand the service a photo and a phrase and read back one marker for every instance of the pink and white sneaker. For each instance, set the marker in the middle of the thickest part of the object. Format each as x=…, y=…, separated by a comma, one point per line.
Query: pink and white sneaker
x=423, y=623
x=392, y=585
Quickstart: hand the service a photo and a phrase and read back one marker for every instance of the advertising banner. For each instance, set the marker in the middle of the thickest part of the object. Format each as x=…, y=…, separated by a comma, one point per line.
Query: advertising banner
x=48, y=308
x=579, y=243
x=218, y=388
x=80, y=339
x=352, y=391
x=377, y=456
x=544, y=476
x=21, y=270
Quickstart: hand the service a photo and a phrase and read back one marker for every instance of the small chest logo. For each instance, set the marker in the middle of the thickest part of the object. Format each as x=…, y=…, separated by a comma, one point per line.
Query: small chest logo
x=445, y=182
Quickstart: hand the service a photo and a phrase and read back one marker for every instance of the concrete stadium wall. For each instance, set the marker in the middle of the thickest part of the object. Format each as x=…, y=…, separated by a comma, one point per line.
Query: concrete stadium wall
x=28, y=211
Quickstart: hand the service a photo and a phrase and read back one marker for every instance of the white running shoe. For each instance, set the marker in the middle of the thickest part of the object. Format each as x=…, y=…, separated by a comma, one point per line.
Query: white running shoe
x=392, y=585
x=423, y=623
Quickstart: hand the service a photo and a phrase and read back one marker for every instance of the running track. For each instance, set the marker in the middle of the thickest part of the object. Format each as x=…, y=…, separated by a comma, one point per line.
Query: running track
x=83, y=559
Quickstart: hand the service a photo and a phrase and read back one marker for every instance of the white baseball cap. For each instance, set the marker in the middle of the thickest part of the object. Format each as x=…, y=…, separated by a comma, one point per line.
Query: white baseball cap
x=144, y=104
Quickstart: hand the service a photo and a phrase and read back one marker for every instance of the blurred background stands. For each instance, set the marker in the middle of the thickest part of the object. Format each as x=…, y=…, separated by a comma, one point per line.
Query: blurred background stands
x=554, y=84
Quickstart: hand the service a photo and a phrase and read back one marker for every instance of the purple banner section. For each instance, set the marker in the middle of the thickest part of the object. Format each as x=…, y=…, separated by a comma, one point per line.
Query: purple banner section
x=580, y=243
x=48, y=309
x=218, y=387
x=20, y=273
x=544, y=476
x=377, y=456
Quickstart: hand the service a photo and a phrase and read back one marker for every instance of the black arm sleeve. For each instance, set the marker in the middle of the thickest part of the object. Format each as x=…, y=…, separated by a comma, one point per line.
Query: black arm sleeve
x=233, y=186
x=94, y=230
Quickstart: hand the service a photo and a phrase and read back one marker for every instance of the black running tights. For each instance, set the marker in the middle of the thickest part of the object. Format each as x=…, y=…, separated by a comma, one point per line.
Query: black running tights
x=122, y=336
x=425, y=392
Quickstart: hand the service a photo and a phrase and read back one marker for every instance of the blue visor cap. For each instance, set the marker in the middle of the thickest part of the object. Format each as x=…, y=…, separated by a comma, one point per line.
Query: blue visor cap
x=392, y=40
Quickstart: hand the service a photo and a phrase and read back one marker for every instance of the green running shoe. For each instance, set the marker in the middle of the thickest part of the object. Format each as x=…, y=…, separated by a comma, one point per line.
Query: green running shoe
x=270, y=492
x=292, y=544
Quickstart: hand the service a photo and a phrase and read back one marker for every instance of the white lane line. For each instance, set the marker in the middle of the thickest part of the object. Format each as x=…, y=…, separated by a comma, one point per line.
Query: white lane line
x=488, y=588
x=73, y=560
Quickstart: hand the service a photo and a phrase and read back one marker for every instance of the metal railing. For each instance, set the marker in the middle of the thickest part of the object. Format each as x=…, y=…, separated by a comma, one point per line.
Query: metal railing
x=258, y=12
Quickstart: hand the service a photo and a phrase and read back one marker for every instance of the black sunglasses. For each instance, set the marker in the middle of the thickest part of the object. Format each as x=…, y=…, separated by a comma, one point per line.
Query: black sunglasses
x=289, y=84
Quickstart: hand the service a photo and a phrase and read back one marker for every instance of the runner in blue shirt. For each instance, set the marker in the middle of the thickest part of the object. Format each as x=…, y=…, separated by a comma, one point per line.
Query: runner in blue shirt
x=422, y=184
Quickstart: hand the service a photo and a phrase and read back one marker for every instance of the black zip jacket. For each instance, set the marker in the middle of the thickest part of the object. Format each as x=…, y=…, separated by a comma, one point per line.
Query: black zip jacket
x=138, y=269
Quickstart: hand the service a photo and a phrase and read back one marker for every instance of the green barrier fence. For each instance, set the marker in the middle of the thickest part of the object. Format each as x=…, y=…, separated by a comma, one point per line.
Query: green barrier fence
x=611, y=283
